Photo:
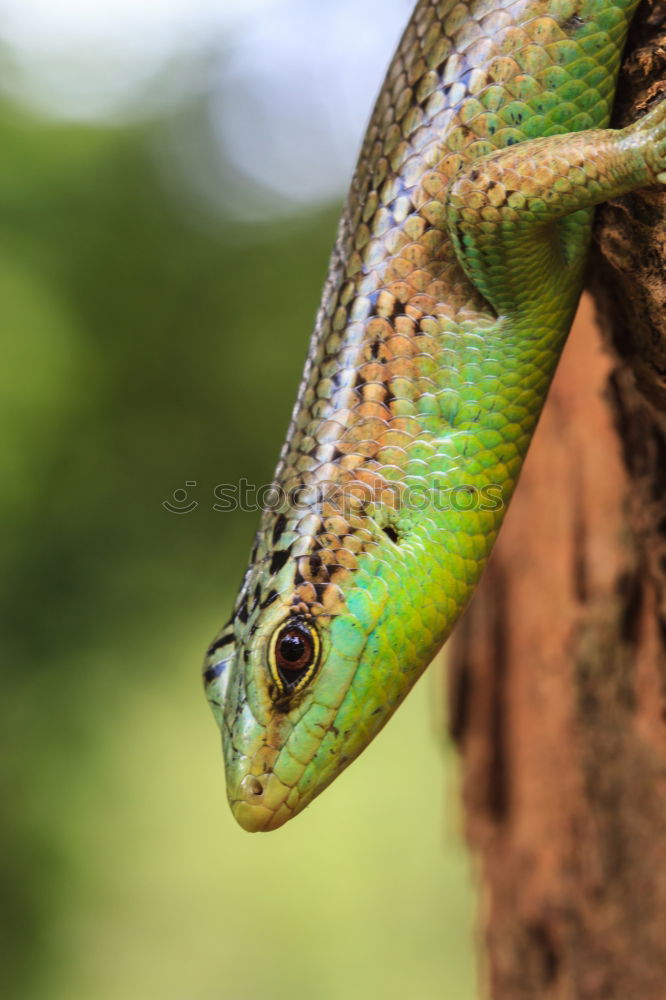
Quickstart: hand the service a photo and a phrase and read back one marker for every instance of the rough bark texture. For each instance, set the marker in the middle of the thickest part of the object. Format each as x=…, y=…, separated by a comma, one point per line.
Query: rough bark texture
x=558, y=671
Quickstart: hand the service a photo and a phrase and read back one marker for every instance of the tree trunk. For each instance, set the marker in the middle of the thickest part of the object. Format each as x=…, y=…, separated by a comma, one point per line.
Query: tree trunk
x=558, y=670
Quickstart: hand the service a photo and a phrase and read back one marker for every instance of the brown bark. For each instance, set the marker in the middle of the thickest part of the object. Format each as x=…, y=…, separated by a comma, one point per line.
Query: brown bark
x=558, y=670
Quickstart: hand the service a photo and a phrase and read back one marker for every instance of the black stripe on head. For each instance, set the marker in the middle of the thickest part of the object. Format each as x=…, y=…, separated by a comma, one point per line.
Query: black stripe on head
x=219, y=643
x=270, y=597
x=215, y=671
x=278, y=527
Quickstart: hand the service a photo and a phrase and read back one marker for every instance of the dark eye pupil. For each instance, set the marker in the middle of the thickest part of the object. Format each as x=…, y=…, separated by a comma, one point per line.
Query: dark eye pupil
x=292, y=647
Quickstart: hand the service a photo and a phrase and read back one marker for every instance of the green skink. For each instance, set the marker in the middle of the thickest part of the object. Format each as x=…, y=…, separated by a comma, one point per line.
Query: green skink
x=452, y=286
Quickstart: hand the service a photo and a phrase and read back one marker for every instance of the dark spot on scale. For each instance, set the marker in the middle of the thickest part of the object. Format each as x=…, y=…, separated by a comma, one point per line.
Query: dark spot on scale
x=573, y=24
x=315, y=562
x=374, y=349
x=377, y=710
x=270, y=597
x=390, y=532
x=278, y=560
x=491, y=185
x=243, y=614
x=398, y=309
x=473, y=175
x=279, y=526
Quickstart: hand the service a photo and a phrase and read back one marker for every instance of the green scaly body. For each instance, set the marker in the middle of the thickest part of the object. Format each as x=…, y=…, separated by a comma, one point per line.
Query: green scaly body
x=452, y=287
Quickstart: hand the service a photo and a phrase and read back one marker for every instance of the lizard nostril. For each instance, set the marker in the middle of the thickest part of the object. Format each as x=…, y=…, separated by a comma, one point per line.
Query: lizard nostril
x=252, y=786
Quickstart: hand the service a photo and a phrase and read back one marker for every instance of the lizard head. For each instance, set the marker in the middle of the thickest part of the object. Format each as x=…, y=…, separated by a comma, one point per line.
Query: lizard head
x=325, y=642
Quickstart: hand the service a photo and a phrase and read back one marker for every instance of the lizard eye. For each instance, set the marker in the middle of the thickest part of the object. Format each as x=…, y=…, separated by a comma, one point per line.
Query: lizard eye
x=293, y=655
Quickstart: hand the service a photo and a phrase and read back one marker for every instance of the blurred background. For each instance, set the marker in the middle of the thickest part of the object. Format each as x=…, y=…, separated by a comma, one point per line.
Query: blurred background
x=170, y=180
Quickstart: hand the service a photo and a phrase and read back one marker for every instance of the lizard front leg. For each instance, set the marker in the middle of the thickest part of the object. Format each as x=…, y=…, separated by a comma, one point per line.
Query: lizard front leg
x=518, y=217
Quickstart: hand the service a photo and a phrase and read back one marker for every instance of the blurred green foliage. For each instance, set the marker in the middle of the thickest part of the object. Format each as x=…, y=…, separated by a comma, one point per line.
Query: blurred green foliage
x=143, y=347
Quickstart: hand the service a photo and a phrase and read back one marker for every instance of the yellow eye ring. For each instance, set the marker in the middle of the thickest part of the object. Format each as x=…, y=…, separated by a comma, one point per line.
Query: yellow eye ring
x=293, y=655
